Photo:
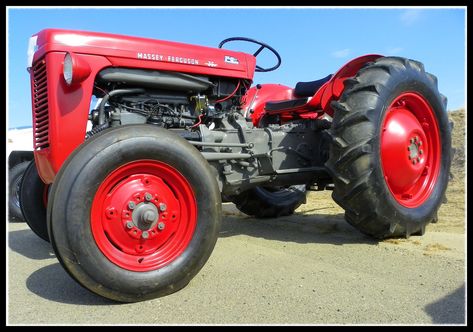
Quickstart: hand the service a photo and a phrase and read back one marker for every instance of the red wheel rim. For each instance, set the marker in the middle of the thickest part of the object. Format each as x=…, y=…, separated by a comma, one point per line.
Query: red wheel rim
x=410, y=149
x=143, y=215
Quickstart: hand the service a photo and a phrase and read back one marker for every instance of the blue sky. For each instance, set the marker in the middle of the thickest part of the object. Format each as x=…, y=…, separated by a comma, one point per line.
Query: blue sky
x=313, y=42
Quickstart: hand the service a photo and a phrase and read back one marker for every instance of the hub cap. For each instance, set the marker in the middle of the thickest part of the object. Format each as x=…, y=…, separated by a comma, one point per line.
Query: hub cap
x=410, y=149
x=143, y=215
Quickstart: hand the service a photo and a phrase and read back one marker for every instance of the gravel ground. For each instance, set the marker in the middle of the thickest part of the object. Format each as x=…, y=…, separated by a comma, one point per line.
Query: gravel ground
x=304, y=269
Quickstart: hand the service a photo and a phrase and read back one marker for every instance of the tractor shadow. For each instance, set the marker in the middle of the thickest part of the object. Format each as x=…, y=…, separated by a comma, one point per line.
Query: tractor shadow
x=28, y=244
x=52, y=282
x=299, y=228
x=450, y=309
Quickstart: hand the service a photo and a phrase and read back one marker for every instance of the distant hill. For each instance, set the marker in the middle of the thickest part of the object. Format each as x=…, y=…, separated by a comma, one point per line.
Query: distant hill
x=458, y=143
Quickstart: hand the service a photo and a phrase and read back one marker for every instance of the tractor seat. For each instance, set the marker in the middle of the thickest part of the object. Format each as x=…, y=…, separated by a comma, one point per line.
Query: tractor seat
x=307, y=89
x=303, y=90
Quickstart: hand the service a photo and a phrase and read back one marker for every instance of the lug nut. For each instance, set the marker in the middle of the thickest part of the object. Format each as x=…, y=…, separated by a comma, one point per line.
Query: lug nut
x=421, y=151
x=411, y=140
x=409, y=156
x=145, y=235
x=162, y=207
x=418, y=159
x=161, y=226
x=129, y=225
x=416, y=138
x=408, y=148
x=148, y=196
x=420, y=143
x=414, y=161
x=131, y=205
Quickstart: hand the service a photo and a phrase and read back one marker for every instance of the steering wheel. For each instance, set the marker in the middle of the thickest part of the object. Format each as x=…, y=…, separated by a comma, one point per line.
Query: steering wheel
x=258, y=51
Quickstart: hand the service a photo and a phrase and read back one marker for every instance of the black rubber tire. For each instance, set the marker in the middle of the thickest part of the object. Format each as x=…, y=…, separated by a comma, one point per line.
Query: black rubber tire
x=32, y=201
x=15, y=175
x=260, y=202
x=354, y=161
x=73, y=192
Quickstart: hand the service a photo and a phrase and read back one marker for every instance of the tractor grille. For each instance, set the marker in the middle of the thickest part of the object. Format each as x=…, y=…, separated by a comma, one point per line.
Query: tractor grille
x=39, y=86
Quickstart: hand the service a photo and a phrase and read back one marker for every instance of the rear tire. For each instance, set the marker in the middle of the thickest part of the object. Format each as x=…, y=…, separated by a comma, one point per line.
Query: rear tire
x=33, y=201
x=99, y=237
x=261, y=202
x=15, y=175
x=391, y=148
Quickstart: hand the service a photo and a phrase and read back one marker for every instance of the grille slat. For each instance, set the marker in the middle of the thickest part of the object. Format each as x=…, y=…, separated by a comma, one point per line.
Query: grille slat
x=43, y=145
x=41, y=91
x=40, y=82
x=40, y=105
x=40, y=126
x=41, y=69
x=43, y=139
x=41, y=117
x=40, y=100
x=43, y=133
x=41, y=109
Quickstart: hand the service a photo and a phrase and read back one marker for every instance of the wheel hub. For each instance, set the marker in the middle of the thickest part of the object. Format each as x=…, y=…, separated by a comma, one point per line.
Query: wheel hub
x=415, y=150
x=143, y=216
x=410, y=152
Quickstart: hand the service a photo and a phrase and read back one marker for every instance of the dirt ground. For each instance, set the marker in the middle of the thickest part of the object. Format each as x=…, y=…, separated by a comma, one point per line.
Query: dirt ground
x=310, y=268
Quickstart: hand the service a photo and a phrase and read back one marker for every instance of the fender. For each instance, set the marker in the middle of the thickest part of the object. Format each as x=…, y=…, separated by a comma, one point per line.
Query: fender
x=332, y=90
x=256, y=97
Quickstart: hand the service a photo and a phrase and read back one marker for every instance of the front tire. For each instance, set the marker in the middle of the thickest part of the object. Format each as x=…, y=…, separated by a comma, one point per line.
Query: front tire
x=33, y=201
x=116, y=187
x=15, y=175
x=391, y=148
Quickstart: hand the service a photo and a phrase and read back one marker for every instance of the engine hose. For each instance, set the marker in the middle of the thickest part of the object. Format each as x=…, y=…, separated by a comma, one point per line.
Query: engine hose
x=110, y=95
x=96, y=130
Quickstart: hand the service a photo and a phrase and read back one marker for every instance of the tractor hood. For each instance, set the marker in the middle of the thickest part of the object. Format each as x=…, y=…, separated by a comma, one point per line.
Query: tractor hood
x=136, y=52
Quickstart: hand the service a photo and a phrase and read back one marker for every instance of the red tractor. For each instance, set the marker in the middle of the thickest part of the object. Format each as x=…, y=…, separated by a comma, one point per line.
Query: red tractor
x=132, y=207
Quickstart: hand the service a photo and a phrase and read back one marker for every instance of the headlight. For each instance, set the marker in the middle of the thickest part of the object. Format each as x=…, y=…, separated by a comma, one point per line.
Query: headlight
x=74, y=69
x=67, y=69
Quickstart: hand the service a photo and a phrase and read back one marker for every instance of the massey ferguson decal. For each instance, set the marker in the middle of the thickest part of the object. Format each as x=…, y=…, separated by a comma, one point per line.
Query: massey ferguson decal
x=168, y=58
